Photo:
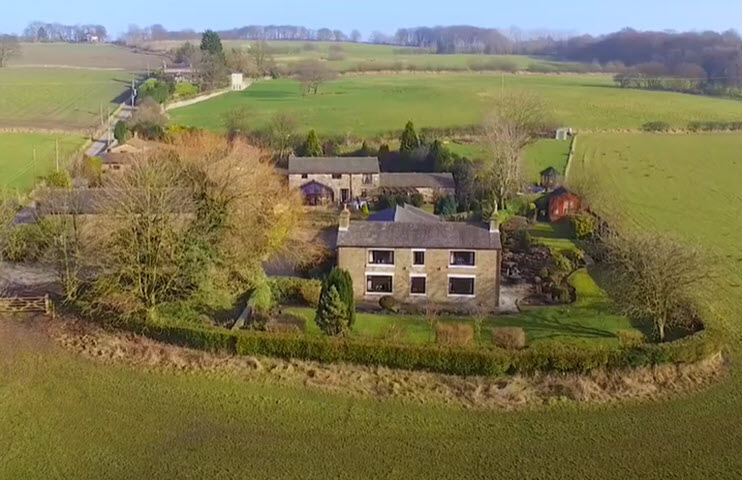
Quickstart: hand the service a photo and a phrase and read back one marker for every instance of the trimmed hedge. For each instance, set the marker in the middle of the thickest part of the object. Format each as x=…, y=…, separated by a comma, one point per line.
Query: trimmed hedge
x=305, y=291
x=494, y=361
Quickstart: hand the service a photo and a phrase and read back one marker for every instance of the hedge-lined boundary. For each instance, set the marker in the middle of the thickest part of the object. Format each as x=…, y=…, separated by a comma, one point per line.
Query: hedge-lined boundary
x=542, y=357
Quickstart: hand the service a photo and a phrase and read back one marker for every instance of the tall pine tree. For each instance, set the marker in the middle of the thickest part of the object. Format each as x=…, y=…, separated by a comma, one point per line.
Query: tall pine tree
x=312, y=147
x=409, y=140
x=211, y=43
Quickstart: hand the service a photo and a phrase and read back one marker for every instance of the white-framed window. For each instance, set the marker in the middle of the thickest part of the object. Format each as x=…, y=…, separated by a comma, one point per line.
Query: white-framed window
x=462, y=258
x=418, y=284
x=366, y=178
x=378, y=283
x=461, y=286
x=304, y=175
x=381, y=257
x=419, y=257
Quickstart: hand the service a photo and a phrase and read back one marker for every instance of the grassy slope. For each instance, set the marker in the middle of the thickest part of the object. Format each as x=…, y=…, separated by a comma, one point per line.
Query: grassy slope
x=286, y=52
x=373, y=104
x=17, y=168
x=121, y=422
x=84, y=55
x=686, y=185
x=57, y=98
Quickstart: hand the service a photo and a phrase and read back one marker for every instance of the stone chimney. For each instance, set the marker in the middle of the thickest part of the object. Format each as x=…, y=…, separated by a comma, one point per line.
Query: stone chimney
x=344, y=219
x=494, y=222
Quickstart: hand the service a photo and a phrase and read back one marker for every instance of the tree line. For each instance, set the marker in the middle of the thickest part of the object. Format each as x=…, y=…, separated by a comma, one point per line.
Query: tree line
x=56, y=32
x=136, y=34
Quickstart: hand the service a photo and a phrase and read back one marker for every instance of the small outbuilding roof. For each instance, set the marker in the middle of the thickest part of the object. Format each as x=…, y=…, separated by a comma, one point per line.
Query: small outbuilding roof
x=416, y=180
x=404, y=213
x=330, y=165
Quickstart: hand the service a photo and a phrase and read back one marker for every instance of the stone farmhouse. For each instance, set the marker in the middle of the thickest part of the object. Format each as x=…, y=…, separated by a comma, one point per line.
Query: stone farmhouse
x=338, y=180
x=417, y=257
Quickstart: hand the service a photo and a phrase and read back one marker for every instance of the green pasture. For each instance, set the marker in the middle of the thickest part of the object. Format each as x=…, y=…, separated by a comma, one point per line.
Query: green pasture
x=26, y=156
x=373, y=105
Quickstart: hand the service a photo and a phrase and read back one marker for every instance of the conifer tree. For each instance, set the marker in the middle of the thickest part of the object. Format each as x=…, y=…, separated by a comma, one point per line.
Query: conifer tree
x=312, y=147
x=409, y=140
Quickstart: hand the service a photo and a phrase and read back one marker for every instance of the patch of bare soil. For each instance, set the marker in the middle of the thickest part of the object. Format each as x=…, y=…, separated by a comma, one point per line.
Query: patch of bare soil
x=510, y=392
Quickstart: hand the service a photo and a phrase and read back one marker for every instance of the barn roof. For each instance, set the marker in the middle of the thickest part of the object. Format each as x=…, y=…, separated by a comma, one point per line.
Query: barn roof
x=416, y=180
x=325, y=165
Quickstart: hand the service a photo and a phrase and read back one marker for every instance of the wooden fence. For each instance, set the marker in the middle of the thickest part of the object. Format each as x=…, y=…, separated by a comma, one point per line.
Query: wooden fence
x=27, y=305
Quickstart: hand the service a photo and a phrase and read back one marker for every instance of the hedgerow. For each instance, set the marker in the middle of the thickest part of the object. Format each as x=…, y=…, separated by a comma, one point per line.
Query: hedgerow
x=544, y=356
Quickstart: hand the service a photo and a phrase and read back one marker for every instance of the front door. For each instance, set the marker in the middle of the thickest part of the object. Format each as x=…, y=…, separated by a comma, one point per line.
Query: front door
x=344, y=195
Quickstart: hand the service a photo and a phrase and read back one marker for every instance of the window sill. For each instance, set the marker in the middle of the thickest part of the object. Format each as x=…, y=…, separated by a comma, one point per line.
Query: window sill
x=462, y=266
x=378, y=293
x=461, y=295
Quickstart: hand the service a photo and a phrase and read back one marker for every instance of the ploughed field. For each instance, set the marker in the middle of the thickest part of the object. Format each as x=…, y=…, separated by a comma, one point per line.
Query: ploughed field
x=59, y=98
x=372, y=105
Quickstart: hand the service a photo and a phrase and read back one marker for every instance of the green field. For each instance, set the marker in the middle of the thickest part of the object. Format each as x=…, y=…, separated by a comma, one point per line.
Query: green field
x=370, y=105
x=686, y=185
x=84, y=55
x=537, y=156
x=18, y=168
x=57, y=98
x=67, y=417
x=365, y=56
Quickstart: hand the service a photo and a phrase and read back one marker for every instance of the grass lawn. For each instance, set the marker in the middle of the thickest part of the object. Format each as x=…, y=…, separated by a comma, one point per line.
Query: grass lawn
x=58, y=98
x=18, y=170
x=371, y=105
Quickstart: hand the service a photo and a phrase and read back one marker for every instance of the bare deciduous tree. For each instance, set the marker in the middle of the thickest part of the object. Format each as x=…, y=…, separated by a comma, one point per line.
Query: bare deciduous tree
x=654, y=278
x=312, y=73
x=516, y=119
x=9, y=48
x=282, y=128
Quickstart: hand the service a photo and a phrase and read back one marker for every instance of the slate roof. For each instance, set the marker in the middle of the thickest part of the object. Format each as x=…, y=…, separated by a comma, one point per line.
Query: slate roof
x=409, y=227
x=325, y=165
x=416, y=180
x=419, y=235
x=404, y=213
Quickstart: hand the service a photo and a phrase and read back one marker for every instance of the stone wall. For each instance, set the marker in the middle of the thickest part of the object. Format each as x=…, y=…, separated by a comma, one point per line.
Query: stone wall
x=353, y=182
x=436, y=270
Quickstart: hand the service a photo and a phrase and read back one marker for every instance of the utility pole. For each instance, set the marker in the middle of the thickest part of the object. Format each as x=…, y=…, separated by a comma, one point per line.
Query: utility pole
x=108, y=127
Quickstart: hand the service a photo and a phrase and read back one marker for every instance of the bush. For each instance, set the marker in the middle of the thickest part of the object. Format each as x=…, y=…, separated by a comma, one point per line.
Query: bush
x=416, y=199
x=261, y=299
x=560, y=263
x=697, y=126
x=510, y=338
x=630, y=338
x=59, y=179
x=185, y=89
x=454, y=334
x=656, y=126
x=295, y=290
x=583, y=225
x=287, y=323
x=560, y=294
x=576, y=257
x=92, y=169
x=121, y=132
x=26, y=242
x=445, y=205
x=365, y=210
x=389, y=304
